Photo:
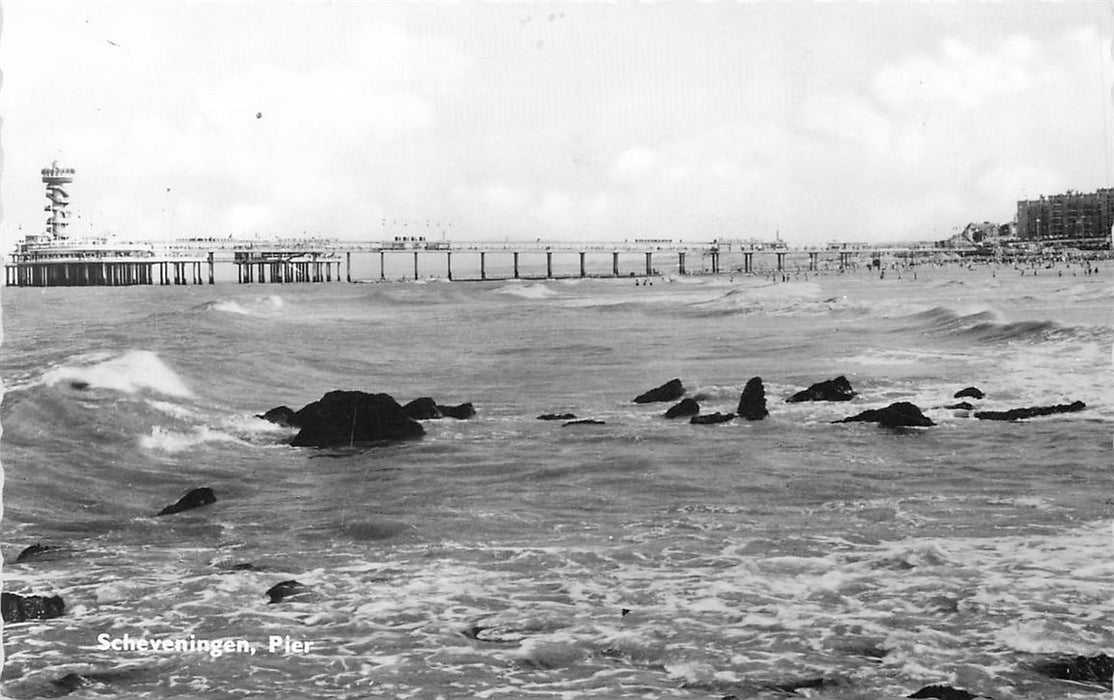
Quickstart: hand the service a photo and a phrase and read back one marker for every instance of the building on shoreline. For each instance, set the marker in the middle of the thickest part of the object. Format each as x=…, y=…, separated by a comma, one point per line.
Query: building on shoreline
x=1072, y=219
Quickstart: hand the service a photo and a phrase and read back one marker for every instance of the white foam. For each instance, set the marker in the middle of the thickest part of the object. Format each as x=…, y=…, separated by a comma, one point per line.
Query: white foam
x=129, y=373
x=171, y=441
x=530, y=291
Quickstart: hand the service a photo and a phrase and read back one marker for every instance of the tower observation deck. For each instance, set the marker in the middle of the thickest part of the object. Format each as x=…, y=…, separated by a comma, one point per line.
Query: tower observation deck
x=56, y=180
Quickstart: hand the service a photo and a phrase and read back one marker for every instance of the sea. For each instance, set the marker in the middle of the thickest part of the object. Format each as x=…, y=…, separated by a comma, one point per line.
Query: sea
x=505, y=556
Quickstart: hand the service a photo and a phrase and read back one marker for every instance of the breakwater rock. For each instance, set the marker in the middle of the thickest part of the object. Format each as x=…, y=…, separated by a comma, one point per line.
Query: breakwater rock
x=194, y=499
x=286, y=589
x=838, y=389
x=1031, y=412
x=342, y=418
x=971, y=392
x=670, y=391
x=18, y=608
x=1093, y=670
x=425, y=408
x=712, y=418
x=897, y=415
x=752, y=402
x=687, y=407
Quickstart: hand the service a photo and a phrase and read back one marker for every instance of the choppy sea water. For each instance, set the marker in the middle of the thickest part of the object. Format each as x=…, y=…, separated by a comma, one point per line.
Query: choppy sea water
x=507, y=557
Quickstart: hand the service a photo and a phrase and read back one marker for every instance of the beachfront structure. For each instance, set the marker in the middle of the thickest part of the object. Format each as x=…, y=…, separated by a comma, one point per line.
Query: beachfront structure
x=52, y=258
x=1072, y=219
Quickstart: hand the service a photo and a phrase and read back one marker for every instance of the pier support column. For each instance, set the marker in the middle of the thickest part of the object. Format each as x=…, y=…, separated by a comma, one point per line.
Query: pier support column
x=583, y=271
x=515, y=254
x=449, y=264
x=212, y=266
x=812, y=260
x=382, y=265
x=549, y=264
x=615, y=264
x=781, y=262
x=483, y=265
x=415, y=265
x=347, y=265
x=649, y=264
x=681, y=263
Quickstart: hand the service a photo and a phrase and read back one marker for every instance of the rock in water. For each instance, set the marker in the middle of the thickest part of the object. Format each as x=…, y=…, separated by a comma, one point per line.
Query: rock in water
x=462, y=412
x=280, y=415
x=286, y=589
x=687, y=407
x=961, y=406
x=712, y=418
x=1031, y=412
x=897, y=415
x=1095, y=670
x=670, y=391
x=584, y=421
x=557, y=416
x=942, y=692
x=343, y=418
x=971, y=392
x=36, y=551
x=194, y=499
x=423, y=408
x=838, y=389
x=752, y=402
x=17, y=608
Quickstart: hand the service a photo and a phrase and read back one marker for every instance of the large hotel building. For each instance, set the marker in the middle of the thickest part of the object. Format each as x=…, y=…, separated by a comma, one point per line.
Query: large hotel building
x=1073, y=219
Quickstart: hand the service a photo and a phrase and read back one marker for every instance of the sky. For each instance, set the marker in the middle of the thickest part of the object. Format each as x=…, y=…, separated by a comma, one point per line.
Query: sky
x=585, y=121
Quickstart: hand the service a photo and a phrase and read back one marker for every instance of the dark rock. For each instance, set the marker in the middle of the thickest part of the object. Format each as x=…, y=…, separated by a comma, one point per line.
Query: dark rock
x=344, y=418
x=687, y=407
x=805, y=683
x=585, y=421
x=1031, y=412
x=79, y=385
x=711, y=418
x=35, y=552
x=17, y=608
x=75, y=681
x=971, y=392
x=897, y=415
x=838, y=389
x=424, y=408
x=752, y=402
x=280, y=415
x=246, y=566
x=194, y=499
x=670, y=391
x=286, y=589
x=942, y=692
x=961, y=406
x=557, y=416
x=1093, y=670
x=462, y=412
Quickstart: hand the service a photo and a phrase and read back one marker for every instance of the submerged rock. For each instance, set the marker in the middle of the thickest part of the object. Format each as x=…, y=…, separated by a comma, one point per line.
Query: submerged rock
x=286, y=589
x=943, y=692
x=343, y=418
x=280, y=415
x=18, y=608
x=1094, y=670
x=838, y=389
x=423, y=408
x=897, y=415
x=36, y=552
x=194, y=499
x=752, y=402
x=971, y=392
x=462, y=412
x=961, y=406
x=687, y=407
x=1031, y=412
x=670, y=391
x=584, y=421
x=557, y=416
x=712, y=418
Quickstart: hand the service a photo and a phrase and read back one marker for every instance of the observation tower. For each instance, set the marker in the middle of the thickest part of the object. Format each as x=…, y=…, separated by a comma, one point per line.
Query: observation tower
x=56, y=180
